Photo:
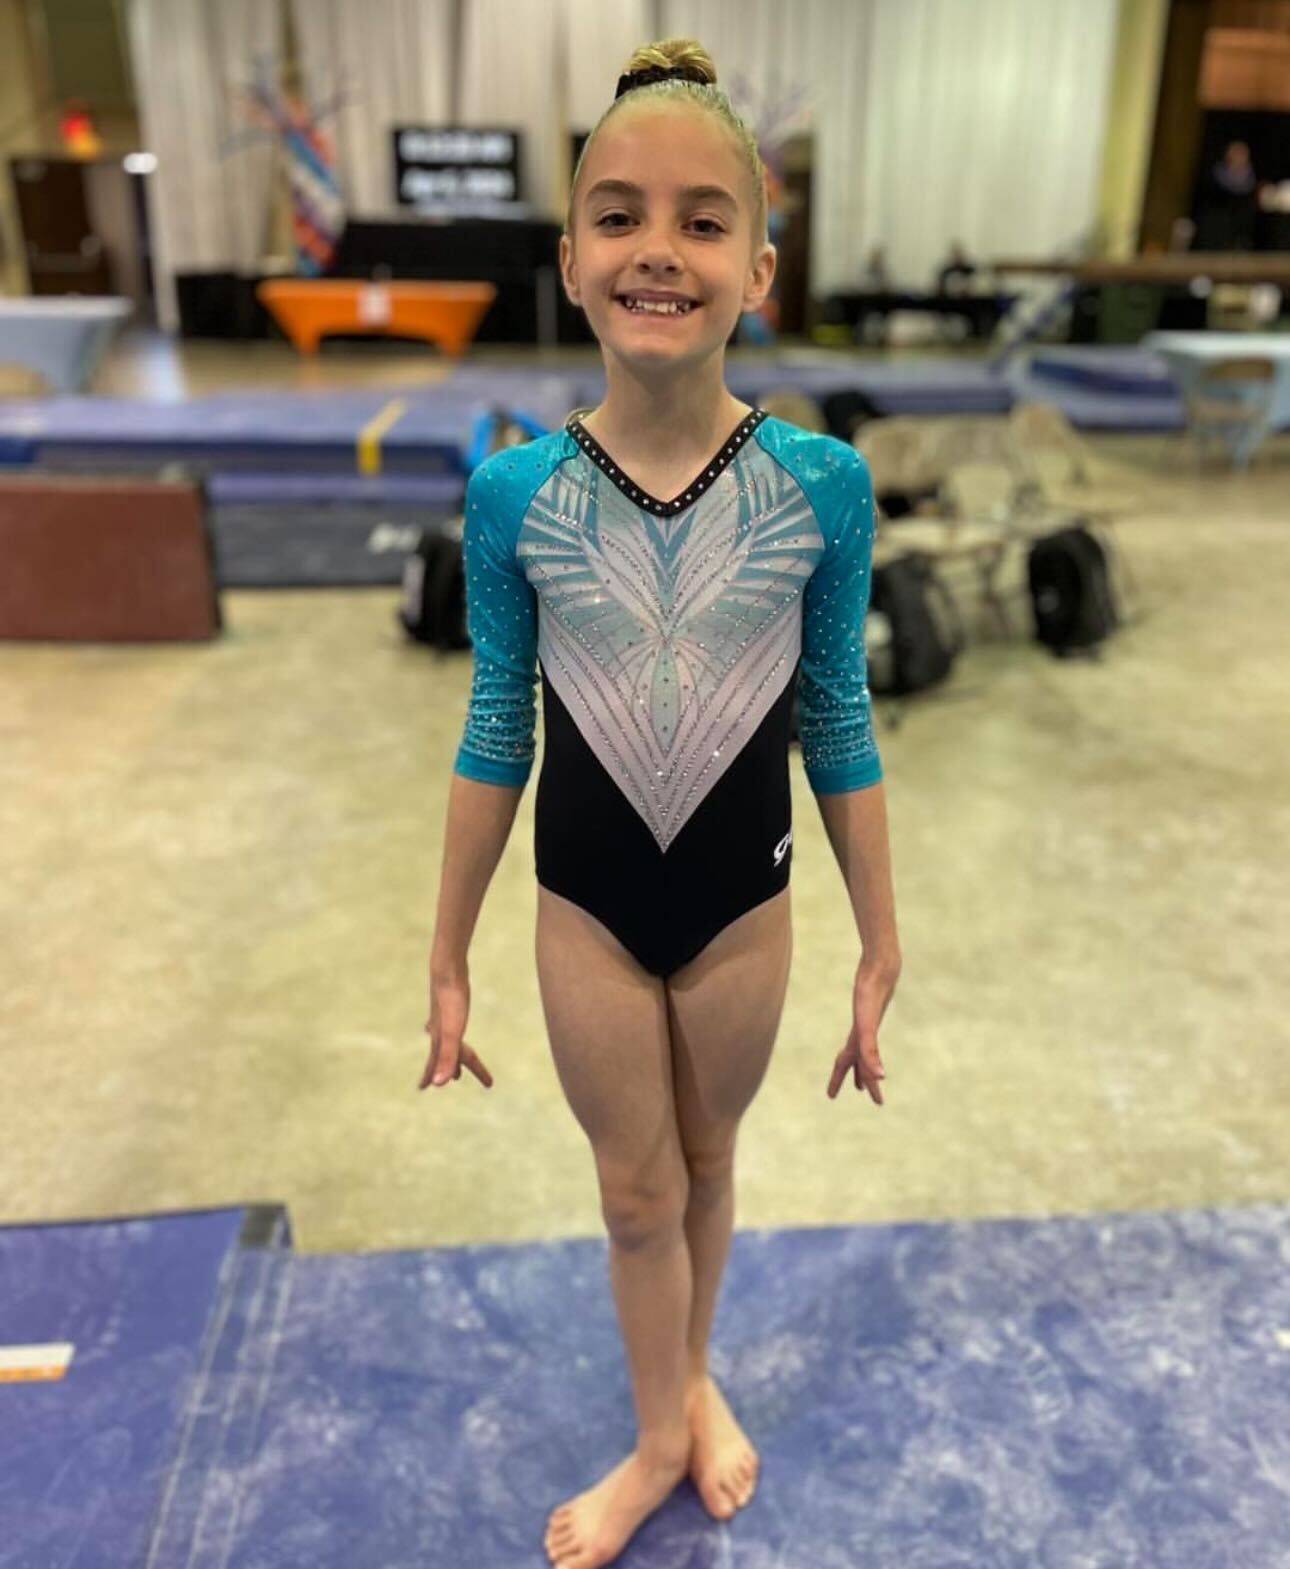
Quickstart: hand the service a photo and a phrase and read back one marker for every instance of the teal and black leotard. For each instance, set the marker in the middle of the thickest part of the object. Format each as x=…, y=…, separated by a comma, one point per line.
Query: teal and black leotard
x=669, y=637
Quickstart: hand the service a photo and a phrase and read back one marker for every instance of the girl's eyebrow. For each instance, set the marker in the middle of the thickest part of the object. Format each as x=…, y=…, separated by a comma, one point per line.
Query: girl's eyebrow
x=694, y=193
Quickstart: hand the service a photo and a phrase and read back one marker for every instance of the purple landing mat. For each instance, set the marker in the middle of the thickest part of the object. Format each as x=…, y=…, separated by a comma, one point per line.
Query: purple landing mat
x=930, y=386
x=1118, y=372
x=84, y=1460
x=1103, y=1392
x=1089, y=410
x=309, y=431
x=339, y=545
x=443, y=492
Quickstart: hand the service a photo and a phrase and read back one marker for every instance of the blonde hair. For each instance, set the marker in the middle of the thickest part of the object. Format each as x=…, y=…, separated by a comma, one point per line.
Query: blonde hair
x=705, y=95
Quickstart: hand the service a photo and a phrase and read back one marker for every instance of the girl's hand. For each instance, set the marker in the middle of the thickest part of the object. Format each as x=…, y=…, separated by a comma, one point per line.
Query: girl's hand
x=449, y=1006
x=875, y=984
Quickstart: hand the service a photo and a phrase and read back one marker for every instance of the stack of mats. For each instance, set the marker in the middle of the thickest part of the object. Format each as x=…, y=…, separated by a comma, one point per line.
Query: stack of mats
x=334, y=488
x=306, y=489
x=1101, y=388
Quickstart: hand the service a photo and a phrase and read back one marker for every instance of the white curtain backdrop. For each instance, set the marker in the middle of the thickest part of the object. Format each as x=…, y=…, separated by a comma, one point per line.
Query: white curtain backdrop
x=933, y=120
x=510, y=75
x=207, y=211
x=597, y=40
x=392, y=60
x=985, y=124
x=776, y=49
x=980, y=121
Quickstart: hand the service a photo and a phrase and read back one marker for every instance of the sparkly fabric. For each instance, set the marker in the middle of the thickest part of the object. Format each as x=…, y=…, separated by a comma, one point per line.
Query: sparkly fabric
x=669, y=631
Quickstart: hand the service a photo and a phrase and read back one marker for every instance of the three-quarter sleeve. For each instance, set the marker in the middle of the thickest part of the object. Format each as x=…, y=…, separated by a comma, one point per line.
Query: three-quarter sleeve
x=498, y=744
x=838, y=747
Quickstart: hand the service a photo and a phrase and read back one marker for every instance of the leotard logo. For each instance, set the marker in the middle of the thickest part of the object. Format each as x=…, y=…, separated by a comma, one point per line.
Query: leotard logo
x=781, y=849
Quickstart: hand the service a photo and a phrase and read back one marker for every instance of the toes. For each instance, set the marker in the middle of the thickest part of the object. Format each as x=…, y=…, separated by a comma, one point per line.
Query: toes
x=561, y=1542
x=718, y=1504
x=565, y=1555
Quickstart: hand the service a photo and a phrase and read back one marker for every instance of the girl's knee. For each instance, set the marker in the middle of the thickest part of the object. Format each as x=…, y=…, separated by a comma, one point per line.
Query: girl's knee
x=711, y=1170
x=638, y=1212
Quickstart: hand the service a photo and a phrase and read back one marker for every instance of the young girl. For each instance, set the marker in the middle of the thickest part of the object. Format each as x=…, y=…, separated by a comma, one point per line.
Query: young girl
x=668, y=563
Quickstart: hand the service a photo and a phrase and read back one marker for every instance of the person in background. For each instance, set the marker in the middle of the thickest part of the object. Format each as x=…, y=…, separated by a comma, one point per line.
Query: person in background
x=875, y=277
x=956, y=272
x=1230, y=202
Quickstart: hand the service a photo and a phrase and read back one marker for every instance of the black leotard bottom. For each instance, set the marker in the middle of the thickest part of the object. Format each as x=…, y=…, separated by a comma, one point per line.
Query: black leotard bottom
x=593, y=848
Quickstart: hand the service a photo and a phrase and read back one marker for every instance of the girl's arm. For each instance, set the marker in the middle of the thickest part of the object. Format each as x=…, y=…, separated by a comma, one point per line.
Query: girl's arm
x=856, y=824
x=496, y=752
x=477, y=827
x=841, y=756
x=491, y=769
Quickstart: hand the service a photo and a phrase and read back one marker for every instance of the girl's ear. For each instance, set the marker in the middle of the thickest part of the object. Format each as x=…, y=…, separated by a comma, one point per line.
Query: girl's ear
x=569, y=269
x=760, y=278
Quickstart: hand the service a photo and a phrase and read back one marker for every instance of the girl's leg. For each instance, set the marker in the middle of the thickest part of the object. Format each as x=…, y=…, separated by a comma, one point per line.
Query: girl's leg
x=724, y=1010
x=607, y=1022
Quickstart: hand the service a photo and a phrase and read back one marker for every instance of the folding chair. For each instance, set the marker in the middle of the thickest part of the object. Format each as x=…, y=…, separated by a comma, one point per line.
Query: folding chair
x=796, y=408
x=1231, y=401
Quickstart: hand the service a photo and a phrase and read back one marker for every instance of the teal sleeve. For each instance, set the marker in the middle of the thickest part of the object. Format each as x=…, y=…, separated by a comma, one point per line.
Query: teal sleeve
x=501, y=616
x=838, y=748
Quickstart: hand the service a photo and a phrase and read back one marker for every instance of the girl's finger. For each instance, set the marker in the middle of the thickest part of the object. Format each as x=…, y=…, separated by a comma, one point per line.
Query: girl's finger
x=478, y=1069
x=448, y=1065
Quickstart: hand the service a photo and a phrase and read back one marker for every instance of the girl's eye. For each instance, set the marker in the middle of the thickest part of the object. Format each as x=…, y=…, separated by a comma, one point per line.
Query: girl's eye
x=606, y=221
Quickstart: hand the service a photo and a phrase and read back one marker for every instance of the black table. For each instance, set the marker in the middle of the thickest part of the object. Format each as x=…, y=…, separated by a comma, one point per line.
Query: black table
x=982, y=312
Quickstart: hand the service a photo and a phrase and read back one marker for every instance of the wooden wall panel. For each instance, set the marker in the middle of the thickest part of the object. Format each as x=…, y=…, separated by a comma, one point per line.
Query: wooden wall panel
x=1243, y=69
x=1262, y=15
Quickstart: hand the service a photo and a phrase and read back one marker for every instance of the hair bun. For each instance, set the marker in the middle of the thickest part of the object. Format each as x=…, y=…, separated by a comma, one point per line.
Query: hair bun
x=683, y=53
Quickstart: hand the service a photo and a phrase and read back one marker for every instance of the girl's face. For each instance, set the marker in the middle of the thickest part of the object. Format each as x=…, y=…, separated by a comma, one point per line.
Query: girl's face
x=664, y=210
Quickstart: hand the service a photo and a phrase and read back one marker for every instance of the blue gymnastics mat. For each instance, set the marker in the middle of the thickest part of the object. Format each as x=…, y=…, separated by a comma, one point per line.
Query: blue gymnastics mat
x=1120, y=372
x=1105, y=1392
x=320, y=545
x=922, y=386
x=1101, y=388
x=291, y=437
x=286, y=432
x=85, y=1461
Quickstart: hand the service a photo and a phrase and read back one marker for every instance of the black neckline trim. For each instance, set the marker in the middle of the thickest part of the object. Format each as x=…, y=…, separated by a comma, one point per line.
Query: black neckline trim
x=691, y=493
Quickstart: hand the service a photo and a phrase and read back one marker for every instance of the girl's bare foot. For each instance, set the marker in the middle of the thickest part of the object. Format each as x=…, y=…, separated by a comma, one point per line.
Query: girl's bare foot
x=593, y=1528
x=723, y=1464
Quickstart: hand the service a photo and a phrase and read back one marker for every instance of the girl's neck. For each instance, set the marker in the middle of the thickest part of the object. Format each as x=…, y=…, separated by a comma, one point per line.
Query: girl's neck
x=683, y=417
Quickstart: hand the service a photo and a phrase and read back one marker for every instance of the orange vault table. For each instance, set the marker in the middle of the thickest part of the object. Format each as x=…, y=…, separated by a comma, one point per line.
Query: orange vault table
x=444, y=313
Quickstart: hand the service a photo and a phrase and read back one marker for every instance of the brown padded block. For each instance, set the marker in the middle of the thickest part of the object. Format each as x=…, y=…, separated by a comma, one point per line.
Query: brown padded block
x=89, y=559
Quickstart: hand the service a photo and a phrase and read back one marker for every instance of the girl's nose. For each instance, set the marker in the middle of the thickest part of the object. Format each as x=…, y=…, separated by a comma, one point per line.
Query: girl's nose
x=655, y=252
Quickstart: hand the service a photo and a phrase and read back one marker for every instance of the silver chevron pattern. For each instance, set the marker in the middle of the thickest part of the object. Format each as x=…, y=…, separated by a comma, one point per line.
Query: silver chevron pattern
x=669, y=640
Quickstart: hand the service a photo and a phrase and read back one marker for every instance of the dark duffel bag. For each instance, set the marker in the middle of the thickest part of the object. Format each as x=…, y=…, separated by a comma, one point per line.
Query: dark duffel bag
x=1070, y=590
x=913, y=633
x=434, y=589
x=846, y=410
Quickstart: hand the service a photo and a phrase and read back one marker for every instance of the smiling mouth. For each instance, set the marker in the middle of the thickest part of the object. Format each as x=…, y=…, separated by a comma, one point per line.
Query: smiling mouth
x=665, y=308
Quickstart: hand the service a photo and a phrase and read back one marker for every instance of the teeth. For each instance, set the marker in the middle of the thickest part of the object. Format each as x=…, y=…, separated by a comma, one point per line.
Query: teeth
x=657, y=307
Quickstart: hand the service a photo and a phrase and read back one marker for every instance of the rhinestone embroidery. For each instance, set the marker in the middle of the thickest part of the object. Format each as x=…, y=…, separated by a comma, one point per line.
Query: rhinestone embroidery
x=663, y=509
x=670, y=633
x=669, y=643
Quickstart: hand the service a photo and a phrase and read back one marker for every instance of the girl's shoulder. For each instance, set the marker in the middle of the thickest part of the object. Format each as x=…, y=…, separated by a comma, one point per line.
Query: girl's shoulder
x=506, y=481
x=822, y=465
